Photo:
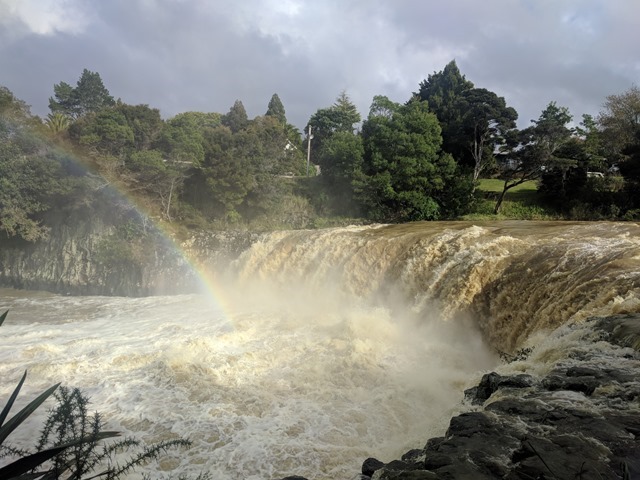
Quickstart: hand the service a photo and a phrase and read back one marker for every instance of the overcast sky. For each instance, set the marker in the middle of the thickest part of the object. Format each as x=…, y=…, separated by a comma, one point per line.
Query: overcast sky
x=180, y=55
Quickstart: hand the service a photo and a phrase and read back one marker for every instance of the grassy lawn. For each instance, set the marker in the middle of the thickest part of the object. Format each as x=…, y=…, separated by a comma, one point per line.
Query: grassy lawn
x=520, y=203
x=495, y=185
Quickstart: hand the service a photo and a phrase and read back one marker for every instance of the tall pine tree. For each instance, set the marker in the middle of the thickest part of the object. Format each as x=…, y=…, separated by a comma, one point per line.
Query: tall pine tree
x=89, y=96
x=276, y=109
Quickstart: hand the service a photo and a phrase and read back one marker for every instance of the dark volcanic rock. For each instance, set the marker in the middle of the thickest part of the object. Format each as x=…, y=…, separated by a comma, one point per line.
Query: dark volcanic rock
x=561, y=381
x=492, y=382
x=370, y=465
x=580, y=421
x=68, y=261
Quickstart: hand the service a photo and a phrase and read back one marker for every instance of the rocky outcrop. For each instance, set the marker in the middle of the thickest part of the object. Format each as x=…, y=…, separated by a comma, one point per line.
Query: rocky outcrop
x=69, y=261
x=580, y=420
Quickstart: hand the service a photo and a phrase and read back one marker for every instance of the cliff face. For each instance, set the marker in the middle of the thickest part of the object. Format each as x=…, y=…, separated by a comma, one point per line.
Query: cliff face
x=62, y=263
x=69, y=260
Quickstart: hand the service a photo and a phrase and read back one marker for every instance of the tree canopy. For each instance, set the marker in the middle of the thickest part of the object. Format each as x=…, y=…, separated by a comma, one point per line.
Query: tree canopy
x=276, y=109
x=528, y=153
x=404, y=169
x=88, y=96
x=33, y=177
x=484, y=121
x=236, y=119
x=412, y=161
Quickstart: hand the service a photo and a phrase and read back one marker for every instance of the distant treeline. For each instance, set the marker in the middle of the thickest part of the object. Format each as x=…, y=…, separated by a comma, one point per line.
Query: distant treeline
x=418, y=160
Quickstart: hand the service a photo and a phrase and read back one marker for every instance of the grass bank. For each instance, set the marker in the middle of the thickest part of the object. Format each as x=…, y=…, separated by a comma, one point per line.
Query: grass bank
x=520, y=203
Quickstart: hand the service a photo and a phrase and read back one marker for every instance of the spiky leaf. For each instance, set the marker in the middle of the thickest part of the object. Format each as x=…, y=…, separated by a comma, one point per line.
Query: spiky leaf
x=12, y=399
x=30, y=462
x=23, y=414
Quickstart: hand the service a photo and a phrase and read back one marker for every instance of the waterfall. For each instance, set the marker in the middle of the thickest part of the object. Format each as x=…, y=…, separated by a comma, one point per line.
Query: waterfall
x=513, y=278
x=323, y=347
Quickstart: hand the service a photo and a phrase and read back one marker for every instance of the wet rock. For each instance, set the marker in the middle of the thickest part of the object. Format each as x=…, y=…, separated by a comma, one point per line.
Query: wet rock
x=623, y=330
x=488, y=384
x=562, y=457
x=435, y=461
x=405, y=475
x=398, y=469
x=432, y=443
x=584, y=372
x=532, y=409
x=491, y=382
x=370, y=465
x=580, y=421
x=583, y=384
x=414, y=456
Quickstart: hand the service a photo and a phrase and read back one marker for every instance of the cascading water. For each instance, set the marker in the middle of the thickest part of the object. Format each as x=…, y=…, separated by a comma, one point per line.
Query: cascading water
x=337, y=344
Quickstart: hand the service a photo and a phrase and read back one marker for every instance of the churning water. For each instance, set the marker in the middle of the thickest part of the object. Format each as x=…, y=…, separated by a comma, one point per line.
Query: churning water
x=334, y=345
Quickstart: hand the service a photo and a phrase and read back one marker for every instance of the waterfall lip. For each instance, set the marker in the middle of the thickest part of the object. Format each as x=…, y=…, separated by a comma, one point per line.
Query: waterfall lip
x=514, y=277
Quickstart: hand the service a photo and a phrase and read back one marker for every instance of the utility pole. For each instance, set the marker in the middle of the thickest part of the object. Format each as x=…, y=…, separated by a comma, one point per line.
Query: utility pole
x=309, y=137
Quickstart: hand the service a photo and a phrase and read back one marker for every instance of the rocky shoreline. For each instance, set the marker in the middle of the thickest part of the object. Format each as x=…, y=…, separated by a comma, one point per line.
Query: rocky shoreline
x=570, y=411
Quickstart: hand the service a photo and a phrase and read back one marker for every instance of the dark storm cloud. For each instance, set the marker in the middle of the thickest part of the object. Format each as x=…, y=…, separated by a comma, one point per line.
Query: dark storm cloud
x=181, y=55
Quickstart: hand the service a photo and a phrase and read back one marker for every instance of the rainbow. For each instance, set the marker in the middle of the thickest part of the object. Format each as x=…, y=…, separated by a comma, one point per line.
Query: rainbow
x=209, y=284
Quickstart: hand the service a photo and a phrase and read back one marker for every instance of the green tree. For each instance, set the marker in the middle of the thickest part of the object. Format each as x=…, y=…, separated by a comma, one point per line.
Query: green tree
x=261, y=151
x=484, y=120
x=342, y=155
x=568, y=184
x=33, y=178
x=182, y=143
x=106, y=131
x=182, y=140
x=528, y=153
x=64, y=100
x=227, y=173
x=157, y=176
x=404, y=169
x=442, y=90
x=276, y=109
x=198, y=120
x=620, y=123
x=145, y=123
x=591, y=135
x=89, y=96
x=342, y=116
x=25, y=189
x=381, y=106
x=236, y=119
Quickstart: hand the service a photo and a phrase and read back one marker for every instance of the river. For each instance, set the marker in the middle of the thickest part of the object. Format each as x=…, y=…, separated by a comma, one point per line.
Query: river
x=320, y=348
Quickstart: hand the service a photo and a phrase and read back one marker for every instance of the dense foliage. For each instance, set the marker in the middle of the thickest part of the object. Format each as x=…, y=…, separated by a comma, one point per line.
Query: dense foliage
x=413, y=161
x=34, y=176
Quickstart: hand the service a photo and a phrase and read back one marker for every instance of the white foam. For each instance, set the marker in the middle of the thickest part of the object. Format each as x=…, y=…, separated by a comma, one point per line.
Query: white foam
x=270, y=394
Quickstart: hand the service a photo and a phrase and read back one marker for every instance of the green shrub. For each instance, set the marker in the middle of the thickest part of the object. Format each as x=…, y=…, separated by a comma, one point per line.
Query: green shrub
x=524, y=211
x=632, y=215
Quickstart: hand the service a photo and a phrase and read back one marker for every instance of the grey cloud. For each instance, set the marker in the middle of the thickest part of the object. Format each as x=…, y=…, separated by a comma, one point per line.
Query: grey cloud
x=181, y=55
